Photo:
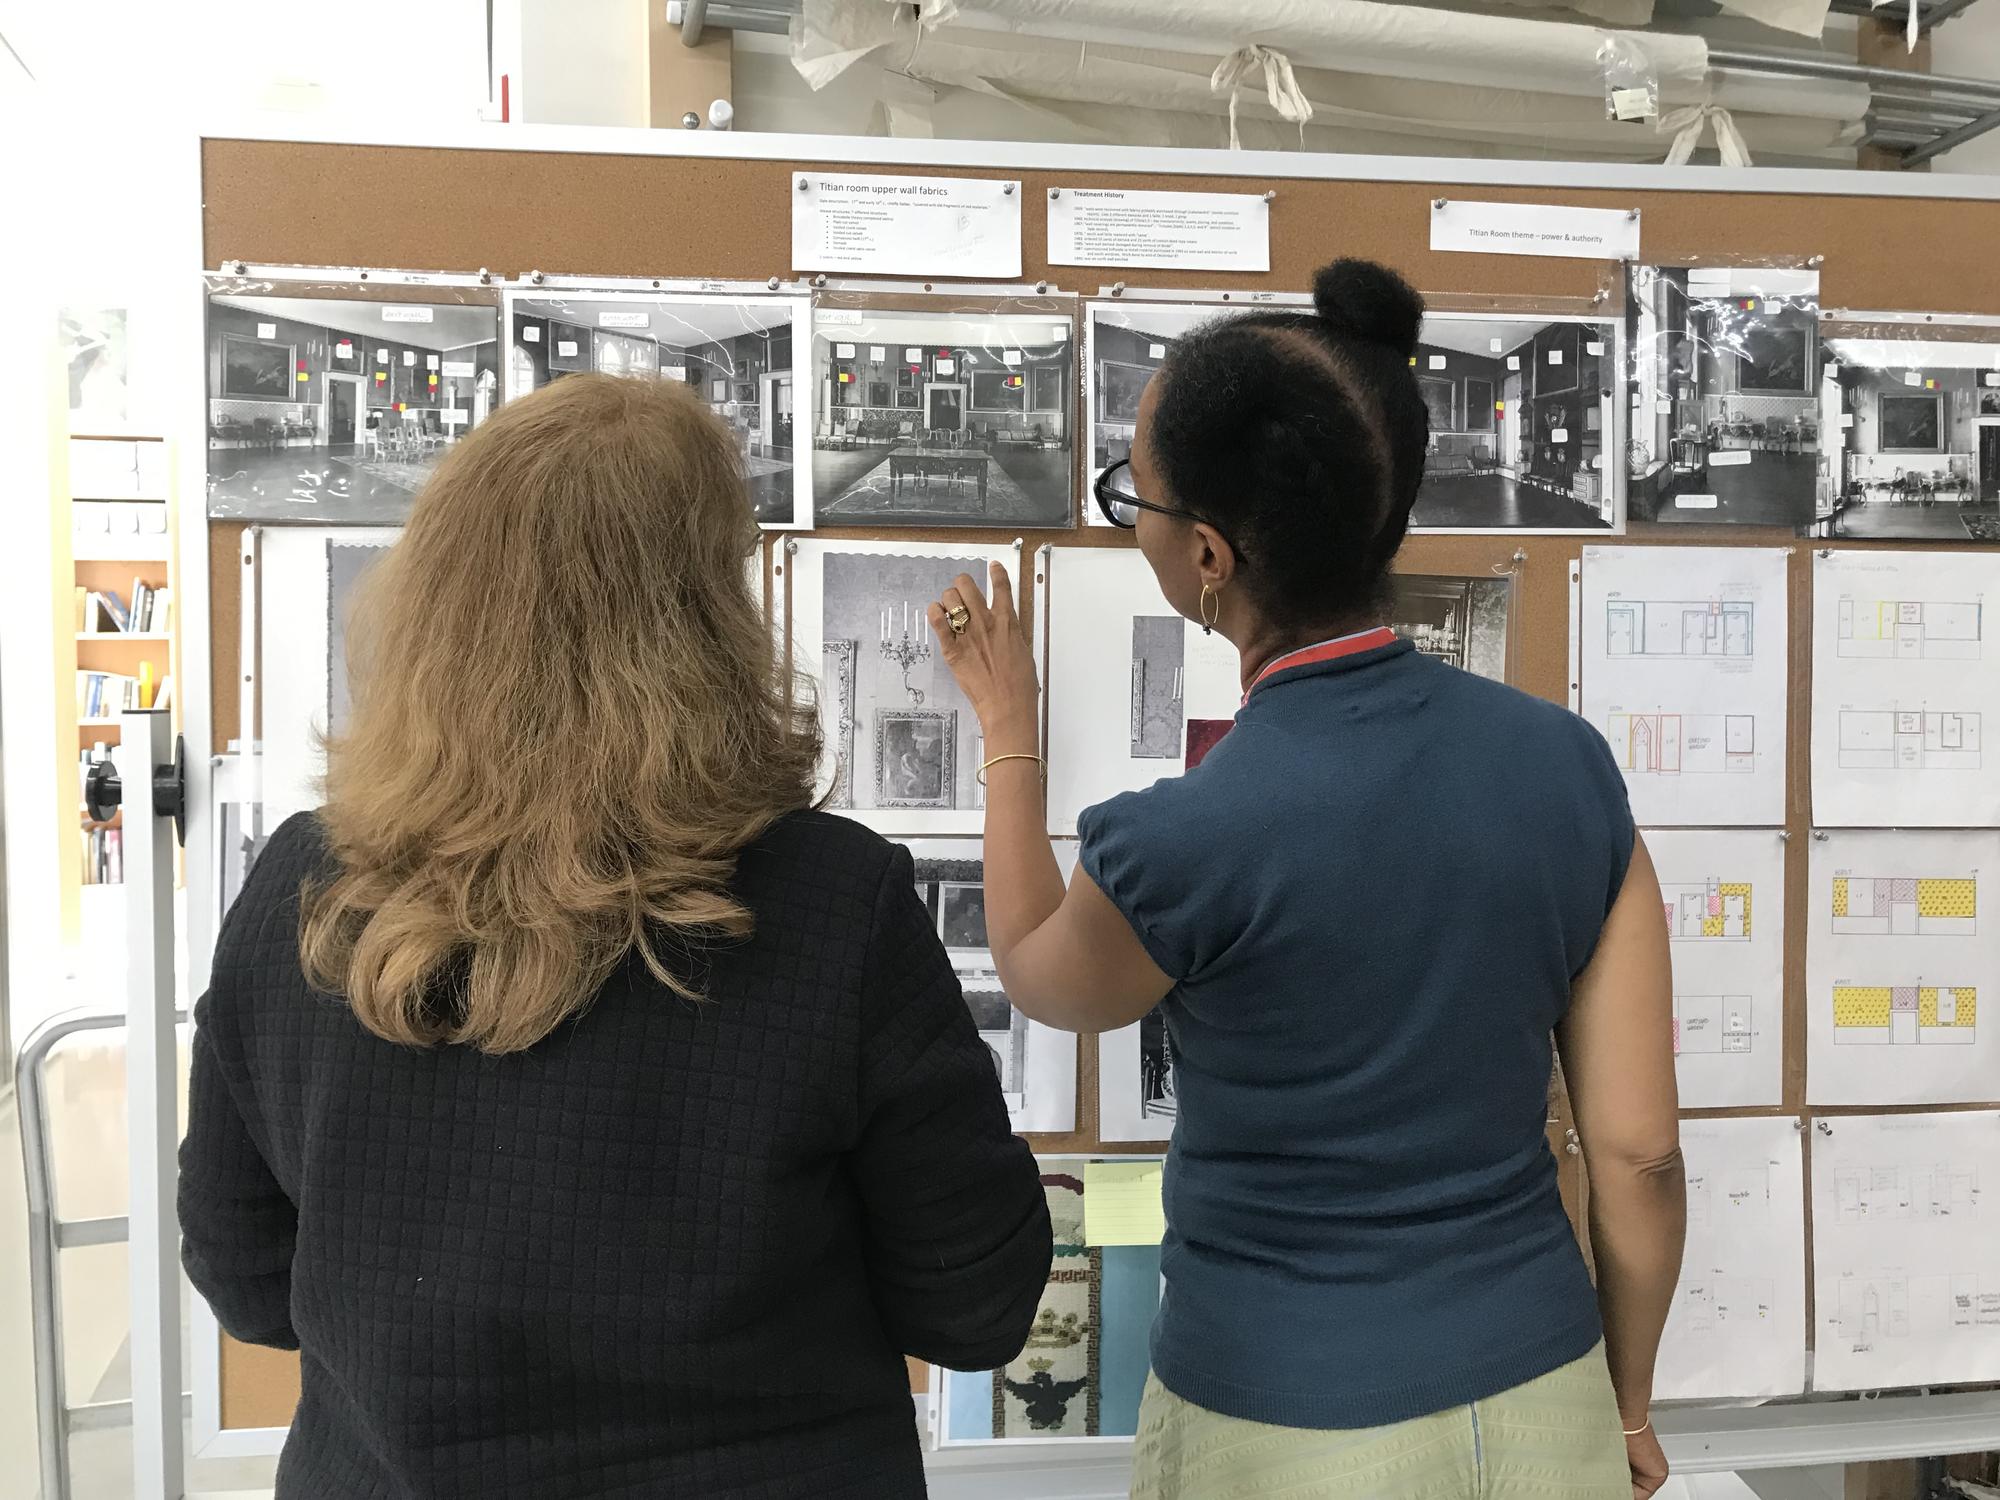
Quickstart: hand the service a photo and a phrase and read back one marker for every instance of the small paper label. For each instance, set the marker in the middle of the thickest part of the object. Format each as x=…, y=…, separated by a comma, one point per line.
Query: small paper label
x=1437, y=361
x=1494, y=345
x=843, y=351
x=1595, y=346
x=530, y=334
x=408, y=312
x=1555, y=356
x=1559, y=435
x=877, y=353
x=381, y=356
x=1011, y=356
x=1061, y=332
x=565, y=348
x=624, y=320
x=453, y=416
x=1732, y=458
x=430, y=361
x=460, y=369
x=1910, y=377
x=1156, y=351
x=1513, y=361
x=1847, y=419
x=913, y=356
x=1631, y=104
x=267, y=330
x=836, y=317
x=409, y=359
x=1695, y=502
x=1993, y=377
x=1665, y=408
x=344, y=349
x=947, y=367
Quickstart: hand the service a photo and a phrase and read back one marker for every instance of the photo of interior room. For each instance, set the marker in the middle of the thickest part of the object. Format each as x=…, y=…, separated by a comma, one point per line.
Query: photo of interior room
x=328, y=409
x=1913, y=432
x=1520, y=424
x=958, y=417
x=1125, y=343
x=739, y=355
x=1725, y=374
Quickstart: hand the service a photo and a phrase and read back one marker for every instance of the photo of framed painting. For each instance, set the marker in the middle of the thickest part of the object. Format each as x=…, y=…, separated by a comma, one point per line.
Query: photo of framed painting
x=916, y=758
x=1909, y=423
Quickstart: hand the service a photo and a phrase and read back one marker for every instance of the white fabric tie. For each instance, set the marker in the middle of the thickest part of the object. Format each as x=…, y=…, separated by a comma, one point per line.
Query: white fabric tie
x=1280, y=86
x=1687, y=124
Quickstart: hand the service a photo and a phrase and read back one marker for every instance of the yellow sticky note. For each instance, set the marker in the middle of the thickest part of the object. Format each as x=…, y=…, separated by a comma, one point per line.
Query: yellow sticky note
x=1121, y=1203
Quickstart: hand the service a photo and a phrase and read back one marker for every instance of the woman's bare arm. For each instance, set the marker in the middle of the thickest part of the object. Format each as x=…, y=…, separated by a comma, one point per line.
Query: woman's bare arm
x=1617, y=1053
x=1067, y=958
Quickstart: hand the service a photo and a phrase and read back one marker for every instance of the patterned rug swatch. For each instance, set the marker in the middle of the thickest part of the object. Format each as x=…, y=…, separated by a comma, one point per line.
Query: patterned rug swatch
x=1053, y=1388
x=1982, y=528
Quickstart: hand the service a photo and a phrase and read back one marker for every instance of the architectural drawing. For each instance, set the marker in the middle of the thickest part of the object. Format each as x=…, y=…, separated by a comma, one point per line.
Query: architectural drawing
x=1909, y=629
x=1896, y=739
x=1940, y=906
x=1664, y=744
x=1873, y=1308
x=1738, y=1196
x=1707, y=908
x=1712, y=1023
x=1880, y=1014
x=1713, y=627
x=1709, y=1303
x=1935, y=1191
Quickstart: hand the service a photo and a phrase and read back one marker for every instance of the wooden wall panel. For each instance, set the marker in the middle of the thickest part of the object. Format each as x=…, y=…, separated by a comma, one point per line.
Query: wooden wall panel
x=613, y=215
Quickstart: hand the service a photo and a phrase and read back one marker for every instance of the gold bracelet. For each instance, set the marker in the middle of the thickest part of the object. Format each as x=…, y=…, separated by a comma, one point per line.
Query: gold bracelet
x=1635, y=1431
x=980, y=775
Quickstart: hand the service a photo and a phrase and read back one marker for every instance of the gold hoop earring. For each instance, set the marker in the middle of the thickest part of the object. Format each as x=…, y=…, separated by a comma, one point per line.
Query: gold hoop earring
x=1211, y=609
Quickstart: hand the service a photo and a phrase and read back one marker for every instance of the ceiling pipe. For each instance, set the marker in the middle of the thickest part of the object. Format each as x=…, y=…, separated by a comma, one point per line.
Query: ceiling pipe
x=1953, y=138
x=1784, y=65
x=774, y=19
x=693, y=13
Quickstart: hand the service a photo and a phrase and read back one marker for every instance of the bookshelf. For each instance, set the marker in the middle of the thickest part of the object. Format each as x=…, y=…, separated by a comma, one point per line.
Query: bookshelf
x=121, y=550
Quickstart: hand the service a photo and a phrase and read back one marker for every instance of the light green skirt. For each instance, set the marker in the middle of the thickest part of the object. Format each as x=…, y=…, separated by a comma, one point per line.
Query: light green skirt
x=1557, y=1437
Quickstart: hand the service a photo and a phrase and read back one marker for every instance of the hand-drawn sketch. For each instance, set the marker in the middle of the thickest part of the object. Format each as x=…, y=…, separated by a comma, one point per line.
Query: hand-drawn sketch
x=1882, y=1014
x=1702, y=627
x=1671, y=744
x=1900, y=739
x=1939, y=1190
x=1910, y=629
x=1159, y=647
x=1906, y=906
x=1707, y=909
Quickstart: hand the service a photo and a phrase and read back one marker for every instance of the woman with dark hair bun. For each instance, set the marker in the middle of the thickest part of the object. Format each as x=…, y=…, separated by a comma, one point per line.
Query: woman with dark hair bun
x=1366, y=916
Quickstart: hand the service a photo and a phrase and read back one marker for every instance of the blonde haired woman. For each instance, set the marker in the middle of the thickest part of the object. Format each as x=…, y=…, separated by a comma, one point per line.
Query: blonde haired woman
x=593, y=1116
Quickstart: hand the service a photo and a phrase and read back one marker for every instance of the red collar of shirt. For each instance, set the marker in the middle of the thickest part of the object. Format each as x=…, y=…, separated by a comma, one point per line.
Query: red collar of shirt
x=1307, y=656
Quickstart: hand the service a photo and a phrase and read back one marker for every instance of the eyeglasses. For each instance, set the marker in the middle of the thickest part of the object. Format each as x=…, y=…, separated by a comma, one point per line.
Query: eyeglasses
x=1121, y=504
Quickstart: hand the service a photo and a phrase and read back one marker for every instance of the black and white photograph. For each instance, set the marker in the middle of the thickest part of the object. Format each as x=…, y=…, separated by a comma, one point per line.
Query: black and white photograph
x=1459, y=620
x=1037, y=1065
x=1724, y=383
x=1159, y=672
x=902, y=743
x=348, y=563
x=957, y=415
x=335, y=409
x=741, y=356
x=1156, y=1069
x=1521, y=413
x=1125, y=343
x=1913, y=435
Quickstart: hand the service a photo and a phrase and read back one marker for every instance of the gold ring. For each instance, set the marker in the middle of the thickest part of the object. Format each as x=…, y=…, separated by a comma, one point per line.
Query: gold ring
x=958, y=617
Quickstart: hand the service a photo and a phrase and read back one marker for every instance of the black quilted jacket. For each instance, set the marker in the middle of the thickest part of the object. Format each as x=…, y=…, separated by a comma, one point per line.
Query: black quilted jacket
x=673, y=1250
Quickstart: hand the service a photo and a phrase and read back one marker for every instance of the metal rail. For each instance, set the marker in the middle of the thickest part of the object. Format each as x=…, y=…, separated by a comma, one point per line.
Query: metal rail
x=48, y=1237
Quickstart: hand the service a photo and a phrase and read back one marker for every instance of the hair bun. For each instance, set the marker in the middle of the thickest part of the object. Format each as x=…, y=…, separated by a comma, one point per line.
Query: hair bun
x=1358, y=299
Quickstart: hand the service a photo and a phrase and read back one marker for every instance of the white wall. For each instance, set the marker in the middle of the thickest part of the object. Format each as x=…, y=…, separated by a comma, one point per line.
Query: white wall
x=1969, y=47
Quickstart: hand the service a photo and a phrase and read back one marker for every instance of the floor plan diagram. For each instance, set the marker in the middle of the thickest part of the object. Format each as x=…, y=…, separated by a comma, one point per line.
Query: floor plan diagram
x=1942, y=906
x=1909, y=629
x=1712, y=1023
x=1738, y=1196
x=1876, y=1015
x=1873, y=1308
x=1714, y=627
x=1897, y=739
x=1709, y=1303
x=1707, y=908
x=1665, y=744
x=1937, y=1191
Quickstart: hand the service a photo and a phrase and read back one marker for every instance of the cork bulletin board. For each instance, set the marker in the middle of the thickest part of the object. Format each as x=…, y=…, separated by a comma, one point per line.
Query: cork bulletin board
x=582, y=214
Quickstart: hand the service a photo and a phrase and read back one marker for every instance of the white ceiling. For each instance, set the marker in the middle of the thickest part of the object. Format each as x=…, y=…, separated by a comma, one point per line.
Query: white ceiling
x=1167, y=320
x=451, y=326
x=973, y=330
x=1477, y=335
x=673, y=321
x=1914, y=354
